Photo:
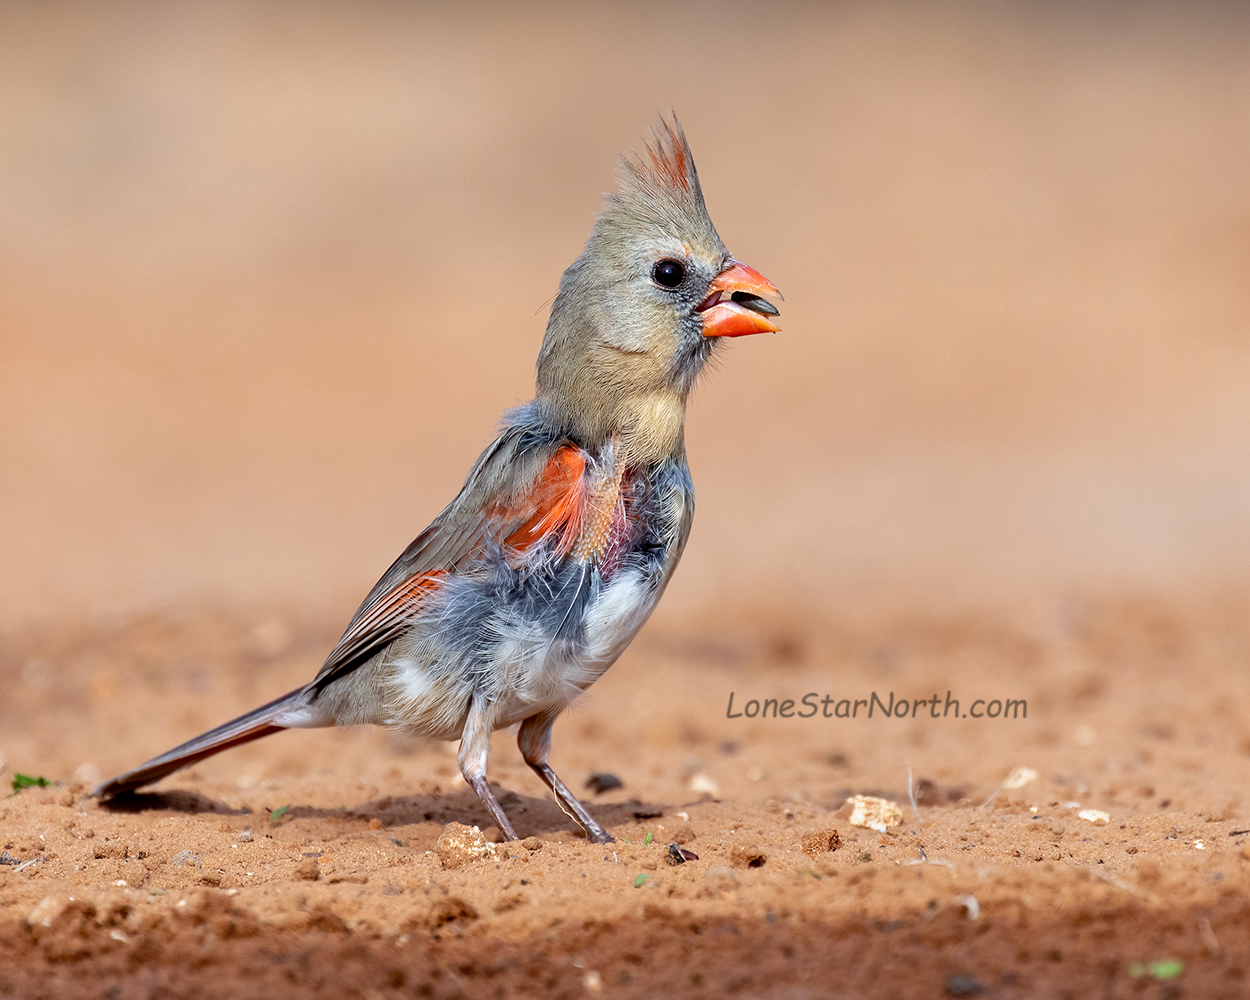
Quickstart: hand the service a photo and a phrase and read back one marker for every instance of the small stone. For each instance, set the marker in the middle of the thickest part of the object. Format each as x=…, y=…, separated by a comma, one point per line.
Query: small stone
x=531, y=843
x=308, y=870
x=459, y=845
x=1095, y=816
x=186, y=857
x=704, y=785
x=375, y=824
x=821, y=842
x=874, y=813
x=244, y=837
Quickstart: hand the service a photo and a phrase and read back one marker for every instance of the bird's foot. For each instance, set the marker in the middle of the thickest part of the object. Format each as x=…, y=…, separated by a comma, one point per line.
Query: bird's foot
x=598, y=835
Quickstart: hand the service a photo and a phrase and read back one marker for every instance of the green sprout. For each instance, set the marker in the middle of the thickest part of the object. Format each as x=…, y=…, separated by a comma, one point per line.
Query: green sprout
x=1168, y=968
x=21, y=781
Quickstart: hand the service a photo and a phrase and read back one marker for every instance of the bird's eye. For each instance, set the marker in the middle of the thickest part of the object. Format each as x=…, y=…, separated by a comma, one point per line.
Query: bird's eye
x=669, y=273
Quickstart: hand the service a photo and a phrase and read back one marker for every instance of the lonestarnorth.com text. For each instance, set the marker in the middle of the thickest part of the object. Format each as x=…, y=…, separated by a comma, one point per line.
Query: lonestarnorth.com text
x=814, y=705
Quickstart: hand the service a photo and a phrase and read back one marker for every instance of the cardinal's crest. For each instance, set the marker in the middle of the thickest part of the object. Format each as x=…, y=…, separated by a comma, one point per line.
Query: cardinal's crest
x=659, y=187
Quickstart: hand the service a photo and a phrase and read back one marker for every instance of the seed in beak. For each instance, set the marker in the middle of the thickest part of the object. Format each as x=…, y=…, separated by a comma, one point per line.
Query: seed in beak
x=755, y=303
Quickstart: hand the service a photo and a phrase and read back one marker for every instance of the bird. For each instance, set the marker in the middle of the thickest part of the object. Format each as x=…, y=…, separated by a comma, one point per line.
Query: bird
x=538, y=575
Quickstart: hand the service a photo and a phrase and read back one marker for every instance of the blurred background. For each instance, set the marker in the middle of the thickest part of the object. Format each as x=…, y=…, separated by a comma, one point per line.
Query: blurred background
x=269, y=272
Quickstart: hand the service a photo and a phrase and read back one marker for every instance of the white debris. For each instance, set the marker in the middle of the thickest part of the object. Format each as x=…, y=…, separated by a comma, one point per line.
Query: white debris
x=704, y=785
x=459, y=845
x=1095, y=816
x=873, y=813
x=1020, y=777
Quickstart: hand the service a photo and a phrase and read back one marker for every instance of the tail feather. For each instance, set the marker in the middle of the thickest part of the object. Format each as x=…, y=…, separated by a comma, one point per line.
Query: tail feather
x=252, y=726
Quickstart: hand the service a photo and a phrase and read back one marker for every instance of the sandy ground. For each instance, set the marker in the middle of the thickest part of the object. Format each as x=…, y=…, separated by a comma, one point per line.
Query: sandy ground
x=267, y=278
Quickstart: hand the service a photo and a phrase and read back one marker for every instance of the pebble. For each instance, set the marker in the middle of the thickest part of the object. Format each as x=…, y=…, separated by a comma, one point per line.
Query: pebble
x=821, y=842
x=308, y=870
x=459, y=845
x=873, y=813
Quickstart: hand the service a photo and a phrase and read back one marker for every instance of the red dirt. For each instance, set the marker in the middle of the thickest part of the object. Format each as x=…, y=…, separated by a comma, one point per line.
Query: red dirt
x=268, y=281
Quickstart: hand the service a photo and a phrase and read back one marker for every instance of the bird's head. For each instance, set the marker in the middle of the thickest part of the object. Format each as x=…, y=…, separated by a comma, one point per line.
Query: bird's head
x=643, y=307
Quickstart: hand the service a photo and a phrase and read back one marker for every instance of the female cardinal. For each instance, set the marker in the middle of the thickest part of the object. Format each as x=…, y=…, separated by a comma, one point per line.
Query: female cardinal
x=531, y=583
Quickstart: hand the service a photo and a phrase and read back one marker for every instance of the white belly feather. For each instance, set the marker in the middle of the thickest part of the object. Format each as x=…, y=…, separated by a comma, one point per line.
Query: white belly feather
x=528, y=672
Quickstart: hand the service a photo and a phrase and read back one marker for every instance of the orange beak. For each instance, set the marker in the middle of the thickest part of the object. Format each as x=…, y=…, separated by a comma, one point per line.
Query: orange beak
x=737, y=303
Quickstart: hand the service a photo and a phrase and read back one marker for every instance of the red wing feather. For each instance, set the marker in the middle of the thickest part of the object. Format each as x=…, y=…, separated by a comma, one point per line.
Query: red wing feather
x=550, y=503
x=553, y=505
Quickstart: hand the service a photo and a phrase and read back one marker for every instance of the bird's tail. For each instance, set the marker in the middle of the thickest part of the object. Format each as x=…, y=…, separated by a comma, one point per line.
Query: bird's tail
x=252, y=726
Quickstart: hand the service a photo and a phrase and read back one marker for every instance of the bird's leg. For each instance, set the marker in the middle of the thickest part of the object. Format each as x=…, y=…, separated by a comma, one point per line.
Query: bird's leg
x=534, y=741
x=474, y=751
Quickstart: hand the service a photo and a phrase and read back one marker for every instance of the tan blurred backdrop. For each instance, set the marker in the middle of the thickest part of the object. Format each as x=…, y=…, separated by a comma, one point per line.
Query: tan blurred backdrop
x=269, y=272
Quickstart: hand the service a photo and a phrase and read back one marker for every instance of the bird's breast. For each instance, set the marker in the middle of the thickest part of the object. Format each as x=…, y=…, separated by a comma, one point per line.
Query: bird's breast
x=565, y=595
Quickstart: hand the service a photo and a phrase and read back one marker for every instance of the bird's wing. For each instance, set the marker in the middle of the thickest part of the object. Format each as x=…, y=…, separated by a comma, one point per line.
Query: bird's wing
x=524, y=489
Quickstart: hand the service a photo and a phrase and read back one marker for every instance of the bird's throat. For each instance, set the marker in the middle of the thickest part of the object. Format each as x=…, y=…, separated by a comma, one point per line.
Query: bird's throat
x=647, y=427
x=652, y=427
